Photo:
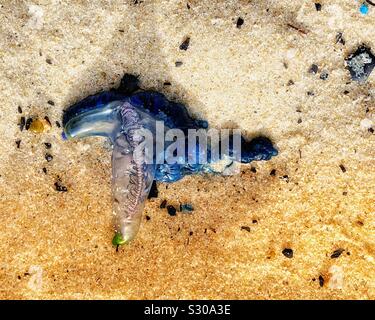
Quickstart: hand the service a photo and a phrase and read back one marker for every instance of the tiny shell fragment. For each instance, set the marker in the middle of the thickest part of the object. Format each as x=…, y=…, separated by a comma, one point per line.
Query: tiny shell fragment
x=39, y=126
x=336, y=281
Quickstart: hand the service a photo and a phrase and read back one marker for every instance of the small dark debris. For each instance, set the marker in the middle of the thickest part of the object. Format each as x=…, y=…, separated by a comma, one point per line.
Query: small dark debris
x=187, y=6
x=313, y=69
x=300, y=30
x=239, y=22
x=58, y=124
x=163, y=204
x=49, y=61
x=345, y=193
x=360, y=223
x=48, y=121
x=185, y=44
x=18, y=143
x=59, y=187
x=48, y=157
x=190, y=233
x=343, y=169
x=340, y=38
x=287, y=252
x=148, y=218
x=246, y=228
x=48, y=145
x=121, y=30
x=346, y=92
x=45, y=170
x=361, y=63
x=318, y=6
x=255, y=221
x=178, y=63
x=50, y=102
x=337, y=253
x=290, y=82
x=28, y=123
x=285, y=177
x=153, y=191
x=22, y=122
x=167, y=83
x=324, y=75
x=371, y=130
x=171, y=210
x=299, y=121
x=273, y=172
x=253, y=169
x=19, y=109
x=310, y=93
x=19, y=277
x=321, y=280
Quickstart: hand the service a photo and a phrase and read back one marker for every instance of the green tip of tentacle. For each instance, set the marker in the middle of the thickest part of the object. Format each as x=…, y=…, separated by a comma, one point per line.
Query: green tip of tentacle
x=118, y=240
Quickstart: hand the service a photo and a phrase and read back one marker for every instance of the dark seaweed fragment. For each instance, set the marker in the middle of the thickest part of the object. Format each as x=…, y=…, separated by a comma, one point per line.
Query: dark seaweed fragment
x=22, y=123
x=48, y=120
x=171, y=210
x=163, y=204
x=321, y=280
x=239, y=22
x=337, y=253
x=28, y=123
x=185, y=44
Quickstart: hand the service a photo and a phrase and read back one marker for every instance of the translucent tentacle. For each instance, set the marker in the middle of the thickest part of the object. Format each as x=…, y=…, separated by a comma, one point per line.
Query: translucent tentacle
x=131, y=183
x=132, y=175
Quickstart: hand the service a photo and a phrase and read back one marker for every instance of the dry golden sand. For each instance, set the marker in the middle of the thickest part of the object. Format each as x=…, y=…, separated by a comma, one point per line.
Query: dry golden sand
x=56, y=245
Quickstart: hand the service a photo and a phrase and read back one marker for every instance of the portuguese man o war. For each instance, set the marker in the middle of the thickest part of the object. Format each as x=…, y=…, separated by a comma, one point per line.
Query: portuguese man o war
x=122, y=115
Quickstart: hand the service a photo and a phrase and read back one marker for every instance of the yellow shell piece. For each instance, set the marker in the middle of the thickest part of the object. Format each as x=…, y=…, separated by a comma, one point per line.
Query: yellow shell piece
x=39, y=126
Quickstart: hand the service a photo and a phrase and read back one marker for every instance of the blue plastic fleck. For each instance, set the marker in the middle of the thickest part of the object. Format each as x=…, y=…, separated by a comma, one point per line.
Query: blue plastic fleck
x=364, y=9
x=117, y=115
